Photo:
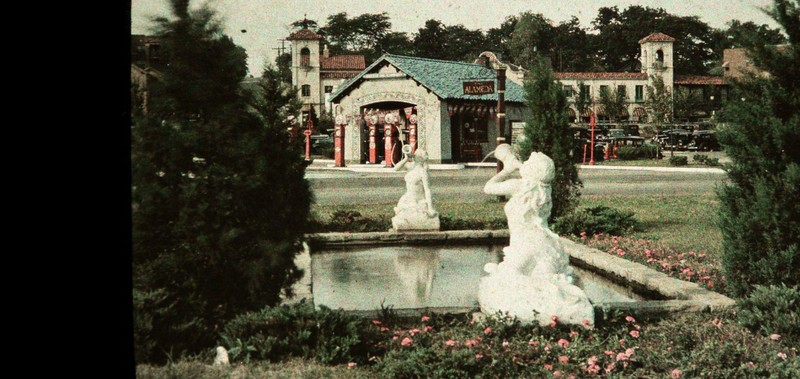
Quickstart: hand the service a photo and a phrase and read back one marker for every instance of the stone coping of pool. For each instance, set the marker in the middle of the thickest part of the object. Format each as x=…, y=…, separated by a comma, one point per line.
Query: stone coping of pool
x=671, y=294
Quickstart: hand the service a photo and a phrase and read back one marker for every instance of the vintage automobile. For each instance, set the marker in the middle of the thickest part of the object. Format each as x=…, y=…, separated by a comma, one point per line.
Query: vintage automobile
x=703, y=140
x=674, y=139
x=581, y=139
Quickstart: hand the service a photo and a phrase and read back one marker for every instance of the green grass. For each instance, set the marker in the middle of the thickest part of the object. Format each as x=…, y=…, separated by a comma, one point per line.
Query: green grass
x=648, y=163
x=293, y=368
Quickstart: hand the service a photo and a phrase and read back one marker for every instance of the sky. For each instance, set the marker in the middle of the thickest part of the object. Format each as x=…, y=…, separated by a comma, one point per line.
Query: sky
x=267, y=21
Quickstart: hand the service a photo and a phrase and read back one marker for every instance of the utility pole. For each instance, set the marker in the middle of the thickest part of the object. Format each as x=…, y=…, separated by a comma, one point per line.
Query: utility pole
x=501, y=109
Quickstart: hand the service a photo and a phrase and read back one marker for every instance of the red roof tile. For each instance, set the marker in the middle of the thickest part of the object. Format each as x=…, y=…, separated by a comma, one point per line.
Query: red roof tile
x=343, y=62
x=303, y=34
x=657, y=37
x=699, y=80
x=601, y=75
x=338, y=75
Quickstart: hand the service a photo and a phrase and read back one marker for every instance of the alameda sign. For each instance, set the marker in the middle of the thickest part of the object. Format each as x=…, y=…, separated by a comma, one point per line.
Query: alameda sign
x=479, y=87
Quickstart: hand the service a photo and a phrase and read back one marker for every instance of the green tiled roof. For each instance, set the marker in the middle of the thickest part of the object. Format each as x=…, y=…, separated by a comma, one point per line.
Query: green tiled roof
x=444, y=78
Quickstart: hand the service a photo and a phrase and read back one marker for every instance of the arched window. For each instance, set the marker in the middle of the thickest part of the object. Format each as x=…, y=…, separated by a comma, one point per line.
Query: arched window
x=659, y=56
x=305, y=57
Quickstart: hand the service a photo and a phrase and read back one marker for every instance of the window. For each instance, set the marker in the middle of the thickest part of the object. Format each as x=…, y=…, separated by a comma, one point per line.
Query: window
x=306, y=90
x=586, y=92
x=639, y=93
x=476, y=130
x=305, y=57
x=568, y=91
x=603, y=90
x=660, y=56
x=328, y=89
x=622, y=91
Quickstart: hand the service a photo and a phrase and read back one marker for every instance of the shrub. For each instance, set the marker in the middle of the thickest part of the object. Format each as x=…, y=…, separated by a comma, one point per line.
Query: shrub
x=646, y=151
x=450, y=223
x=678, y=161
x=299, y=330
x=600, y=219
x=344, y=220
x=760, y=203
x=772, y=309
x=714, y=162
x=699, y=158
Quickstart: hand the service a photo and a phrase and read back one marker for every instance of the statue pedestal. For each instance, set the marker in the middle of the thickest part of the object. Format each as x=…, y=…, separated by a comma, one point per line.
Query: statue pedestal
x=414, y=221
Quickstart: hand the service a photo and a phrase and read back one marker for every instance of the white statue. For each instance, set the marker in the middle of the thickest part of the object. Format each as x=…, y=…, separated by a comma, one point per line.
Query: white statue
x=534, y=281
x=415, y=210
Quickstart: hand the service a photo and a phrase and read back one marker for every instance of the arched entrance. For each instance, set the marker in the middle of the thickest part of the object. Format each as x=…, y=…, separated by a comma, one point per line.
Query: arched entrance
x=385, y=127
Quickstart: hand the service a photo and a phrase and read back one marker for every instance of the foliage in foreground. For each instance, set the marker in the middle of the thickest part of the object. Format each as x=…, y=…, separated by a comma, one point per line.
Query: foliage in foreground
x=711, y=345
x=596, y=220
x=759, y=208
x=773, y=310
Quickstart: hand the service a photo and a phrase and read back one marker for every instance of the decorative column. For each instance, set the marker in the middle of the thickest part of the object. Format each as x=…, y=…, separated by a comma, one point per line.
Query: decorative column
x=307, y=133
x=501, y=109
x=338, y=140
x=389, y=138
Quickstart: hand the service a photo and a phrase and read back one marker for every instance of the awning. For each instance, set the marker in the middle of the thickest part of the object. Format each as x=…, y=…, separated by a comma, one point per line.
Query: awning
x=477, y=110
x=571, y=112
x=587, y=112
x=600, y=111
x=624, y=112
x=639, y=112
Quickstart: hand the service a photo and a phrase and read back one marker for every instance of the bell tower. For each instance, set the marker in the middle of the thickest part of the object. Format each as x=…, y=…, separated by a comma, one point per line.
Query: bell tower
x=306, y=67
x=657, y=57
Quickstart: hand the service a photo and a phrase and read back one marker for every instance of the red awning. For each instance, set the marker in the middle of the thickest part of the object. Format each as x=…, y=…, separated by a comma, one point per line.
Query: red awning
x=639, y=112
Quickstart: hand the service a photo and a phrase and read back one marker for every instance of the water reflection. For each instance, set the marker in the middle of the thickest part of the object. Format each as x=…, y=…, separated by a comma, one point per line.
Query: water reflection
x=416, y=270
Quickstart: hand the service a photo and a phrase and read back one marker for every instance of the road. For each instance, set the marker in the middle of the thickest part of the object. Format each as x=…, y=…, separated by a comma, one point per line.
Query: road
x=344, y=187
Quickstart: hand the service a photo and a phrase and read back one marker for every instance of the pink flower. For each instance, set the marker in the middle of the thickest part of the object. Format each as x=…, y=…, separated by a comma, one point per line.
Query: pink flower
x=751, y=364
x=592, y=360
x=637, y=327
x=414, y=331
x=630, y=319
x=593, y=369
x=573, y=334
x=471, y=343
x=774, y=337
x=585, y=322
x=425, y=318
x=406, y=341
x=622, y=342
x=620, y=252
x=487, y=331
x=610, y=367
x=384, y=329
x=394, y=338
x=450, y=343
x=478, y=356
x=622, y=357
x=427, y=328
x=583, y=234
x=351, y=365
x=376, y=322
x=556, y=374
x=610, y=353
x=554, y=318
x=563, y=343
x=553, y=324
x=629, y=352
x=548, y=366
x=782, y=355
x=675, y=374
x=563, y=359
x=634, y=333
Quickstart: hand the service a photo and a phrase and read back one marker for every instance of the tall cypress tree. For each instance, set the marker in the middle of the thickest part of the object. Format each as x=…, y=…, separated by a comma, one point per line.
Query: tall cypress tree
x=547, y=131
x=219, y=199
x=760, y=207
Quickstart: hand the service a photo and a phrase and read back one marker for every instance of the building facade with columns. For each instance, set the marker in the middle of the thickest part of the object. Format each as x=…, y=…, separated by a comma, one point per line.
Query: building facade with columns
x=657, y=58
x=424, y=103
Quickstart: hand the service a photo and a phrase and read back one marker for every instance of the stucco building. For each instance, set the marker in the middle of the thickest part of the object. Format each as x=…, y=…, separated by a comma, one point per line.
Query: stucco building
x=316, y=74
x=428, y=93
x=657, y=59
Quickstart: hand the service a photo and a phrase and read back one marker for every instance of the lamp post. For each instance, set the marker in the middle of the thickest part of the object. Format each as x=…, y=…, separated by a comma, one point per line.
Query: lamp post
x=307, y=133
x=591, y=147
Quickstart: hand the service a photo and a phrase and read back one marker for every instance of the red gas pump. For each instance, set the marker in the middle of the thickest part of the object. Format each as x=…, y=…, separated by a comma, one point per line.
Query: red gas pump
x=372, y=121
x=338, y=141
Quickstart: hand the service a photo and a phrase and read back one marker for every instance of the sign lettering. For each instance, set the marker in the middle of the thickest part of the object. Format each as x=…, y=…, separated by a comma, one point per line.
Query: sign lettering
x=479, y=88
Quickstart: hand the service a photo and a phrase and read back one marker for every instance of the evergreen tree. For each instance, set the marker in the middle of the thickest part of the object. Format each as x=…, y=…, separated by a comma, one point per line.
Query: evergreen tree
x=219, y=201
x=760, y=207
x=547, y=131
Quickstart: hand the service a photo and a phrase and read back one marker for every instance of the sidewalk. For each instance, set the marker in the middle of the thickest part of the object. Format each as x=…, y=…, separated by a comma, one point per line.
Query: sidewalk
x=328, y=165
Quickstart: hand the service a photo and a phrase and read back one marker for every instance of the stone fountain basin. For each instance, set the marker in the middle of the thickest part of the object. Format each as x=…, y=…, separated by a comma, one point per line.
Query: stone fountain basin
x=346, y=270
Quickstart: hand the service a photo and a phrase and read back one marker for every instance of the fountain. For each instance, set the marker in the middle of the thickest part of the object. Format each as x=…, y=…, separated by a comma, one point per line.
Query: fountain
x=534, y=282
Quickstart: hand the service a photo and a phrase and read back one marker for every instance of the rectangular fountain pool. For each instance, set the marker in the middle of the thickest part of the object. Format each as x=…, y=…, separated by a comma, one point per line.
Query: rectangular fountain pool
x=408, y=277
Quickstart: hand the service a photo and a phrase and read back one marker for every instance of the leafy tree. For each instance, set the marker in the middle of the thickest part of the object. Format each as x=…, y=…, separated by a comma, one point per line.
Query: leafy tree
x=686, y=102
x=532, y=38
x=581, y=102
x=619, y=33
x=304, y=24
x=218, y=202
x=659, y=102
x=739, y=32
x=366, y=34
x=572, y=48
x=759, y=208
x=454, y=42
x=547, y=130
x=613, y=103
x=283, y=63
x=498, y=39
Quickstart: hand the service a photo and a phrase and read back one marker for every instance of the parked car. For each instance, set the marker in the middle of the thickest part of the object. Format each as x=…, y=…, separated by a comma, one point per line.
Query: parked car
x=581, y=138
x=703, y=140
x=677, y=139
